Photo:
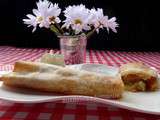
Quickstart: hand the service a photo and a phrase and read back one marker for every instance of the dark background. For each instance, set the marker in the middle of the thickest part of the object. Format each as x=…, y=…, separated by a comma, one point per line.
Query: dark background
x=137, y=29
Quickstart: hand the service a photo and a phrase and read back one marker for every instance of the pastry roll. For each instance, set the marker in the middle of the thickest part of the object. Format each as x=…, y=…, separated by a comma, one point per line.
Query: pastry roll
x=138, y=77
x=51, y=78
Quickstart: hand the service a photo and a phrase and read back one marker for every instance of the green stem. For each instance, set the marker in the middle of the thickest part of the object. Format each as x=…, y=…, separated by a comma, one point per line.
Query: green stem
x=92, y=32
x=55, y=30
x=59, y=28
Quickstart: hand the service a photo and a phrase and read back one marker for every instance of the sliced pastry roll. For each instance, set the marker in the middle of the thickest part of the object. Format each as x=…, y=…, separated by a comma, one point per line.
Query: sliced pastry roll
x=139, y=77
x=51, y=78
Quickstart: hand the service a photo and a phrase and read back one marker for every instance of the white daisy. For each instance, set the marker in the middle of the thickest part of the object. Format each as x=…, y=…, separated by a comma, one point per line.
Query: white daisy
x=45, y=14
x=77, y=18
x=48, y=13
x=31, y=21
x=112, y=24
x=96, y=17
x=98, y=20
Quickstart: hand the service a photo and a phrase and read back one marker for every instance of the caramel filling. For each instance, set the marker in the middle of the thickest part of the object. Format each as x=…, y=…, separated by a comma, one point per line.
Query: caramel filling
x=136, y=83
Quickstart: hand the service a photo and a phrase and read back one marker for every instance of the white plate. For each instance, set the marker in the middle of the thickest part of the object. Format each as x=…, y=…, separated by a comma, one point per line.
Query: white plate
x=146, y=102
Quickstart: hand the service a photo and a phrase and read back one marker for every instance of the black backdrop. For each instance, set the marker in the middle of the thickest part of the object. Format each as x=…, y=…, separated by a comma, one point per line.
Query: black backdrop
x=136, y=31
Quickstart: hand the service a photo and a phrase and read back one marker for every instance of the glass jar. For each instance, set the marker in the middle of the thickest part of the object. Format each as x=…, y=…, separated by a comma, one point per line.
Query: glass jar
x=73, y=48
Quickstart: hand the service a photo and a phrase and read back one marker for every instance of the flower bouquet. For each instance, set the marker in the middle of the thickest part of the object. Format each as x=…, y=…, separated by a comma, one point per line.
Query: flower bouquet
x=78, y=25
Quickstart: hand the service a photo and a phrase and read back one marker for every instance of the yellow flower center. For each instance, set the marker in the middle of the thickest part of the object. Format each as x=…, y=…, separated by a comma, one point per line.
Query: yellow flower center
x=39, y=18
x=77, y=21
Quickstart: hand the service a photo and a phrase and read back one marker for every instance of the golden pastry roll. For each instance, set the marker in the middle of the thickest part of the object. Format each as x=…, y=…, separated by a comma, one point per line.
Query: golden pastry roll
x=137, y=76
x=51, y=78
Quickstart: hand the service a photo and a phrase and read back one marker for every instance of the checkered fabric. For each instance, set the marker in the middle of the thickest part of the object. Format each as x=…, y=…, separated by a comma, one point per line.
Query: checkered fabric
x=72, y=111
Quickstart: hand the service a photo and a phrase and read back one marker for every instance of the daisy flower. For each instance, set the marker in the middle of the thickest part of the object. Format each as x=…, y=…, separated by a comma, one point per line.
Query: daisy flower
x=76, y=18
x=32, y=21
x=112, y=24
x=45, y=15
x=99, y=20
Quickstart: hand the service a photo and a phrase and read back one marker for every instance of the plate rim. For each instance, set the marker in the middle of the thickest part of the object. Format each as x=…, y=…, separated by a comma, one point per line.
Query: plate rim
x=76, y=98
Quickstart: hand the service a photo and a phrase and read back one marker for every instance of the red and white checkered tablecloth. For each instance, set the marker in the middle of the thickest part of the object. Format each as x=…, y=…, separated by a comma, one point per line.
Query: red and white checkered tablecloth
x=72, y=111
